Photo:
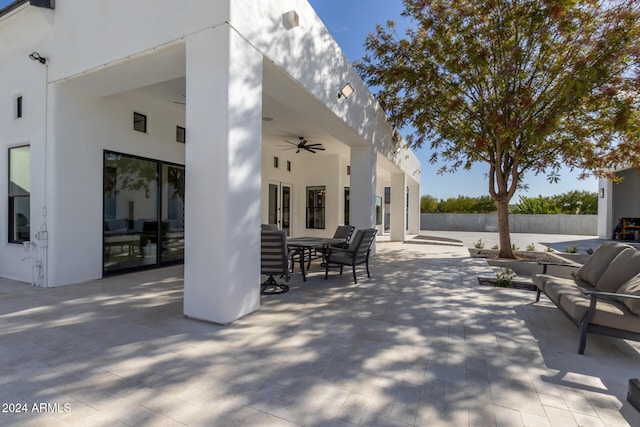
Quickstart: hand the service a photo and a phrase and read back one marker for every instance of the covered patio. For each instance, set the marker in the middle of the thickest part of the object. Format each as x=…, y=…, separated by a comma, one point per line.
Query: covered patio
x=420, y=343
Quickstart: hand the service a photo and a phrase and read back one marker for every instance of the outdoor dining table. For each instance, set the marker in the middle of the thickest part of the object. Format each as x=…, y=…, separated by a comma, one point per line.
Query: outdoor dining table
x=303, y=244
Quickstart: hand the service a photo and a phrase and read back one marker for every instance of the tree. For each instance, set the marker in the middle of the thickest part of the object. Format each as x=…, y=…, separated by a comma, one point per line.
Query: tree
x=465, y=204
x=428, y=204
x=521, y=85
x=535, y=206
x=577, y=202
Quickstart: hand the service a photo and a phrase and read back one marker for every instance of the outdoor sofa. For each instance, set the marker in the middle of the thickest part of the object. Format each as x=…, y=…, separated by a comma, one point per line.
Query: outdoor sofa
x=603, y=296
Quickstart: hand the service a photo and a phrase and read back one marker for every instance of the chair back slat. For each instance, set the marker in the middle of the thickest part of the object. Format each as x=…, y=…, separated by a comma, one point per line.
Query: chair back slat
x=273, y=252
x=344, y=232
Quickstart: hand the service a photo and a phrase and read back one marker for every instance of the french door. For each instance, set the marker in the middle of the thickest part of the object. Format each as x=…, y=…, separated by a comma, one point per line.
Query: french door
x=280, y=205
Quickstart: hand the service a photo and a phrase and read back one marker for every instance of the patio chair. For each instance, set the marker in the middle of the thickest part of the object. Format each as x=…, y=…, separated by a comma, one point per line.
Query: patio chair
x=355, y=254
x=268, y=227
x=275, y=260
x=342, y=232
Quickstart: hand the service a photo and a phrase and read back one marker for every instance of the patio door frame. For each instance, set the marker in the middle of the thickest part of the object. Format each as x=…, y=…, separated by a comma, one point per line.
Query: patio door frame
x=281, y=200
x=156, y=234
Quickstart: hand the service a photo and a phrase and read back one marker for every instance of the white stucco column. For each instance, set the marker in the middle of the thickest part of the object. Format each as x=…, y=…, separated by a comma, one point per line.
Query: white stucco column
x=414, y=208
x=606, y=222
x=362, y=195
x=223, y=176
x=398, y=207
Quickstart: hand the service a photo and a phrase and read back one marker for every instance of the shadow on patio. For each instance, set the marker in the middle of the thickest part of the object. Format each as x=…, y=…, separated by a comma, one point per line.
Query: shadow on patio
x=419, y=343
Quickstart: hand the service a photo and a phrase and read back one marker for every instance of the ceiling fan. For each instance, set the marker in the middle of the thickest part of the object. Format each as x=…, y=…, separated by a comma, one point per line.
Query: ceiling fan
x=305, y=145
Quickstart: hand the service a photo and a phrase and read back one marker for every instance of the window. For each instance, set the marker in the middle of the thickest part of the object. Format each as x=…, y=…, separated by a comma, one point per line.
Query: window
x=378, y=210
x=276, y=162
x=288, y=166
x=346, y=205
x=18, y=107
x=180, y=134
x=140, y=122
x=315, y=207
x=19, y=194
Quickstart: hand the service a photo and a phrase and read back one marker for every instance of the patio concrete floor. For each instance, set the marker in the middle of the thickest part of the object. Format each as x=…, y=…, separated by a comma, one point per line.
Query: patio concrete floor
x=420, y=343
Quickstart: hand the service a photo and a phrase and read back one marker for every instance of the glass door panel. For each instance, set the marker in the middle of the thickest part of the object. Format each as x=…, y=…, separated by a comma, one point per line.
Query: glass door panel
x=273, y=204
x=280, y=206
x=286, y=208
x=130, y=212
x=172, y=228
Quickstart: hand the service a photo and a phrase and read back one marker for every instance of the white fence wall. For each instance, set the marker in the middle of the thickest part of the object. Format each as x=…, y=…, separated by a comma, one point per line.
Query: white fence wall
x=518, y=223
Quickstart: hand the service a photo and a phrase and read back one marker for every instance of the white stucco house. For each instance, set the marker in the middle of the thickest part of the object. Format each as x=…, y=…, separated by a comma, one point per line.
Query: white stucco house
x=618, y=202
x=140, y=133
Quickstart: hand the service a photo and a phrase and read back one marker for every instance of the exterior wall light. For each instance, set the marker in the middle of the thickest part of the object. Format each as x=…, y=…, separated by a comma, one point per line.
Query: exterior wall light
x=346, y=91
x=290, y=19
x=35, y=56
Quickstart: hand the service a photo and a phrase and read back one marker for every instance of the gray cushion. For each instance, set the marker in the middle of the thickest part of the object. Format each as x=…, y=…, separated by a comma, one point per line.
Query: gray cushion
x=541, y=281
x=623, y=267
x=632, y=286
x=556, y=289
x=611, y=314
x=598, y=262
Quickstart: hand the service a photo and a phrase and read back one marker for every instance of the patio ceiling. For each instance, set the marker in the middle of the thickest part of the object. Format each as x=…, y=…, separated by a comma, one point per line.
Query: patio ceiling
x=288, y=112
x=294, y=112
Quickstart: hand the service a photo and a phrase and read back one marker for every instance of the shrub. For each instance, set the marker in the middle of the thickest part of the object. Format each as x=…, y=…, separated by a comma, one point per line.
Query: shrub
x=573, y=249
x=504, y=278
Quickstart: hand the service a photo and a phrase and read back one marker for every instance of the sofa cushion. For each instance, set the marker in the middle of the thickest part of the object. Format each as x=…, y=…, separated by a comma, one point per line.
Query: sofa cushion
x=598, y=262
x=632, y=286
x=540, y=280
x=558, y=287
x=623, y=267
x=609, y=313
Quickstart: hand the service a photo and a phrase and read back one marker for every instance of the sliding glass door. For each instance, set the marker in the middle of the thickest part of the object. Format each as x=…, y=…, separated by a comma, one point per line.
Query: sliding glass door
x=143, y=212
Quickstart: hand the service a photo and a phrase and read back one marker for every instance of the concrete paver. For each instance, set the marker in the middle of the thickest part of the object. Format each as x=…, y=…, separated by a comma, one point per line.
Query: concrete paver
x=420, y=343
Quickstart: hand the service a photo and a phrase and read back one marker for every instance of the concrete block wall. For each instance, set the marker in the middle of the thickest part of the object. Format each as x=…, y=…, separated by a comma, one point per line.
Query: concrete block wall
x=518, y=223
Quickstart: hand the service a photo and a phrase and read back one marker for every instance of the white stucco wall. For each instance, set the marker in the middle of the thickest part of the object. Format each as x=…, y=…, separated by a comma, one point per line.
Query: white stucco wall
x=19, y=76
x=84, y=128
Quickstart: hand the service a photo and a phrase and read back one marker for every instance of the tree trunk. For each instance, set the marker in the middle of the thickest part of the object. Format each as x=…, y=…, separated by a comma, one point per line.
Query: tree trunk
x=503, y=229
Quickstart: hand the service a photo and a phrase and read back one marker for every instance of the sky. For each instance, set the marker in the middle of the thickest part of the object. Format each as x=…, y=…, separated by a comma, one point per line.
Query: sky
x=349, y=21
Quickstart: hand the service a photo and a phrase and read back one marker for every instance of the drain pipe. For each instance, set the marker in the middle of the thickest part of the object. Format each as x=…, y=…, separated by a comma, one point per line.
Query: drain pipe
x=37, y=249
